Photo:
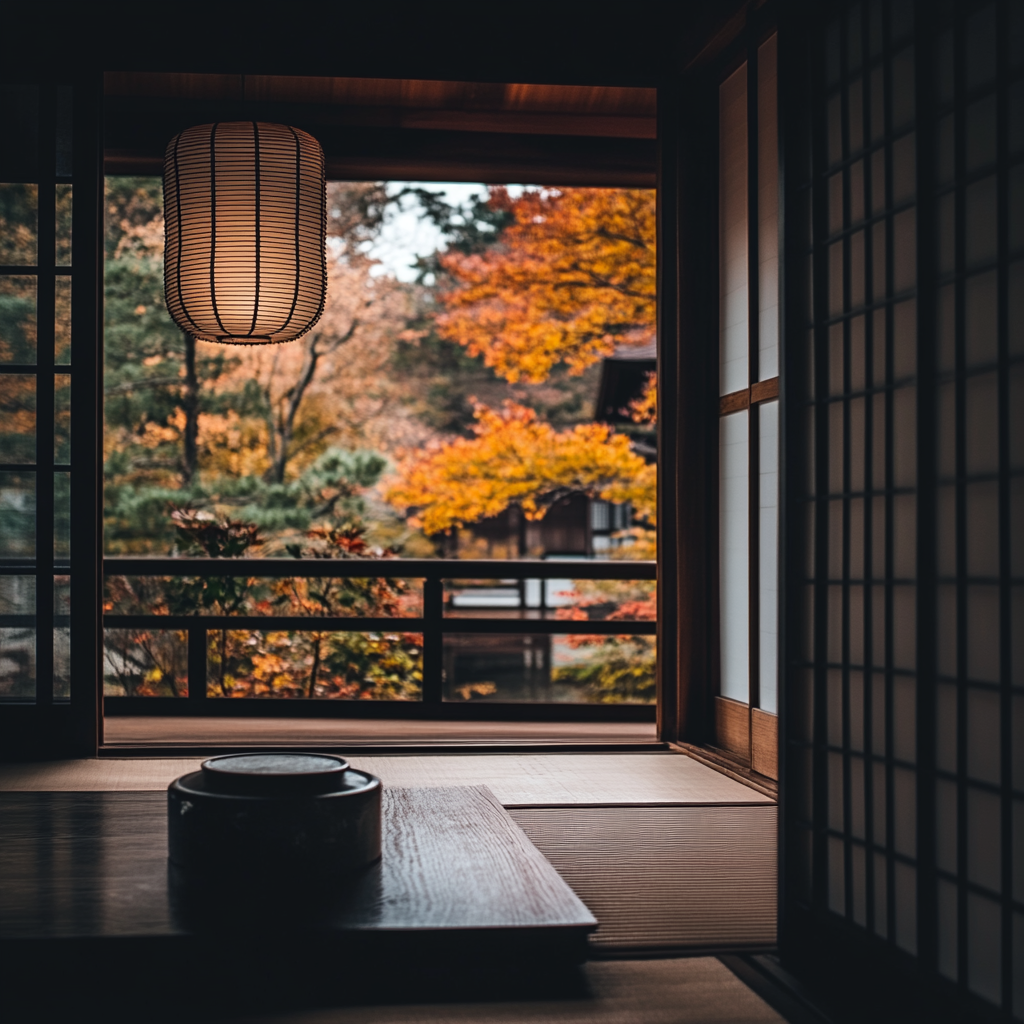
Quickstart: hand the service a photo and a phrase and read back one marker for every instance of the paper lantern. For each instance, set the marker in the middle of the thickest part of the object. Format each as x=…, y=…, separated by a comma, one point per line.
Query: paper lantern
x=245, y=219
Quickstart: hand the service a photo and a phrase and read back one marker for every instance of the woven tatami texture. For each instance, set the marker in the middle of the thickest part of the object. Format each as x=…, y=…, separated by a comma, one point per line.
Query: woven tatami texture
x=665, y=877
x=515, y=779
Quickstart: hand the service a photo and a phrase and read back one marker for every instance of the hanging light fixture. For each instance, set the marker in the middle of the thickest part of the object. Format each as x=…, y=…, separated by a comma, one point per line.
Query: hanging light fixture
x=245, y=221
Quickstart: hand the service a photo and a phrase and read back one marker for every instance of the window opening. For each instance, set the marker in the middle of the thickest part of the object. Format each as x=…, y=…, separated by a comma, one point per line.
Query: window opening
x=480, y=387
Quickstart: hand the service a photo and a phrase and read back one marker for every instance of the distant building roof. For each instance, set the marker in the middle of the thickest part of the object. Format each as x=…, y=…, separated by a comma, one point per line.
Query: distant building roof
x=648, y=350
x=623, y=378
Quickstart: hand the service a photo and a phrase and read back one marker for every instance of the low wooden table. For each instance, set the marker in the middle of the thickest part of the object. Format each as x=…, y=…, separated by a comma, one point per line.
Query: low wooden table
x=88, y=901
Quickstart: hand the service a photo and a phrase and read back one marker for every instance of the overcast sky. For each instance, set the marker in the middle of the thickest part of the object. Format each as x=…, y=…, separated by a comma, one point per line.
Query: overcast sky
x=407, y=234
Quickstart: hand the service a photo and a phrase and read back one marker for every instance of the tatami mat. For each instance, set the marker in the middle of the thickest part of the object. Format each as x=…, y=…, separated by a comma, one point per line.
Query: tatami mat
x=570, y=779
x=692, y=991
x=665, y=877
x=516, y=779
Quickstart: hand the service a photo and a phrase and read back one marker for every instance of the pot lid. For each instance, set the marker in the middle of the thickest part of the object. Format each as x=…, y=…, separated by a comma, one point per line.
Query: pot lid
x=275, y=773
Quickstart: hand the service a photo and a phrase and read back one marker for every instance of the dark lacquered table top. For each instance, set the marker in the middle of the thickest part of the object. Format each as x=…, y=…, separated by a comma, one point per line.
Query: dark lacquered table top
x=90, y=865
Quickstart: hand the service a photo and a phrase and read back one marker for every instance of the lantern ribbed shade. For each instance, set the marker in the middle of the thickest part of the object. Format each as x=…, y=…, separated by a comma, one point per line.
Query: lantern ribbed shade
x=245, y=222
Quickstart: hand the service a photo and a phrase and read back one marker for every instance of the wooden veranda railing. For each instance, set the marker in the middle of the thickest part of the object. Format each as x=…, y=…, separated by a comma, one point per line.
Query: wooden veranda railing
x=531, y=615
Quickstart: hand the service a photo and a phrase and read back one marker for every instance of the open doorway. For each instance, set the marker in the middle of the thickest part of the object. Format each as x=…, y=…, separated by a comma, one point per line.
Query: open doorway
x=480, y=390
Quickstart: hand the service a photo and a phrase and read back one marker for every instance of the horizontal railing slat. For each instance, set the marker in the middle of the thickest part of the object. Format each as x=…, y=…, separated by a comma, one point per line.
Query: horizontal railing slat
x=433, y=624
x=390, y=568
x=569, y=627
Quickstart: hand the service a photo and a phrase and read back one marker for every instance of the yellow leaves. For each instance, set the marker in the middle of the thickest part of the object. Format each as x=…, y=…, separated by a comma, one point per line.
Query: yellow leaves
x=155, y=434
x=645, y=408
x=18, y=244
x=231, y=445
x=573, y=277
x=268, y=664
x=471, y=690
x=516, y=459
x=315, y=663
x=18, y=417
x=144, y=241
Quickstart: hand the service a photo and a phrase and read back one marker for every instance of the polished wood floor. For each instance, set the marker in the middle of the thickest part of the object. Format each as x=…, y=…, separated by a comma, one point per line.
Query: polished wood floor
x=151, y=732
x=691, y=991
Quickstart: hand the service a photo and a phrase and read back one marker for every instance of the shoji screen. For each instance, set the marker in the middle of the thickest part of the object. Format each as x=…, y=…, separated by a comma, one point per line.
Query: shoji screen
x=35, y=396
x=745, y=722
x=977, y=187
x=48, y=358
x=904, y=690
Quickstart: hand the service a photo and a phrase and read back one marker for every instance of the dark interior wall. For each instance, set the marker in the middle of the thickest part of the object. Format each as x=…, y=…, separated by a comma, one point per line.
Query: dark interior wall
x=404, y=41
x=903, y=785
x=562, y=43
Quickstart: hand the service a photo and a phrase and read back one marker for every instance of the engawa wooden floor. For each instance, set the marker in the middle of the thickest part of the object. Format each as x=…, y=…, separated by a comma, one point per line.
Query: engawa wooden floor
x=352, y=733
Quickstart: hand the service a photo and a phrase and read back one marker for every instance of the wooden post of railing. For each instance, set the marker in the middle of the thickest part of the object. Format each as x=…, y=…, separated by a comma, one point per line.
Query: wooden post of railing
x=433, y=640
x=197, y=662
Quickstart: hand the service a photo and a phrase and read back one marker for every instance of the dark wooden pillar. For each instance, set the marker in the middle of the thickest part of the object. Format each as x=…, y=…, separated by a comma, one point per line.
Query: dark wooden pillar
x=687, y=331
x=87, y=404
x=668, y=383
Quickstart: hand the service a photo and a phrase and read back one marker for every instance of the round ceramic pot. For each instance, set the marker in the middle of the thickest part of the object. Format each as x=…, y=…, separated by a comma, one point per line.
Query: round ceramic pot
x=281, y=818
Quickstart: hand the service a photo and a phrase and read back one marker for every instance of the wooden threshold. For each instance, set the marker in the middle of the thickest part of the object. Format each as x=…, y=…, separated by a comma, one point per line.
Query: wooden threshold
x=127, y=750
x=722, y=761
x=183, y=736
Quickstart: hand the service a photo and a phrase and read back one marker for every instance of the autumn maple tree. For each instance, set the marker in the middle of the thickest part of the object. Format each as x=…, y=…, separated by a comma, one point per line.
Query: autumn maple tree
x=570, y=278
x=515, y=458
x=568, y=281
x=573, y=276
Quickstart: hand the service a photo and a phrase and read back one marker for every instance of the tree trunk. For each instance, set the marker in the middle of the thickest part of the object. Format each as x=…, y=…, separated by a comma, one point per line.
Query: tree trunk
x=286, y=422
x=284, y=430
x=271, y=425
x=190, y=454
x=223, y=662
x=314, y=671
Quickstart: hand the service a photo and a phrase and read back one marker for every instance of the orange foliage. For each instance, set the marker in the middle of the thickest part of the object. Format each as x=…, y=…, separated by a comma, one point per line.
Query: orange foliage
x=572, y=278
x=514, y=458
x=645, y=408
